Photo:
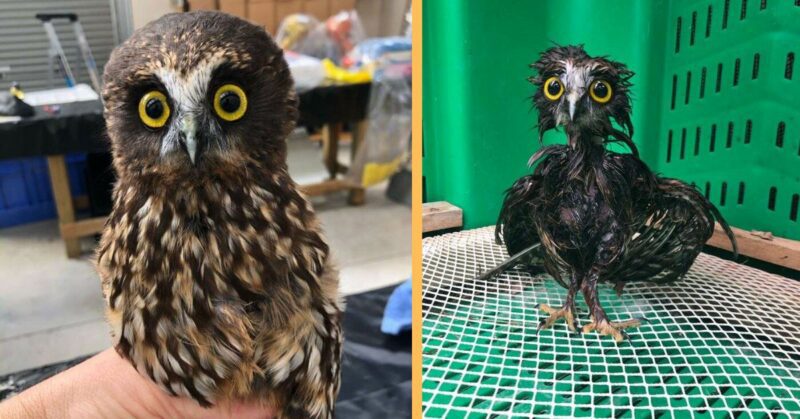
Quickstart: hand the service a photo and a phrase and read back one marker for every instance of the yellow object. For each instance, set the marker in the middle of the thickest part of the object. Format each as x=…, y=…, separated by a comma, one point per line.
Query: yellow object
x=295, y=27
x=230, y=115
x=17, y=92
x=156, y=116
x=553, y=82
x=336, y=73
x=378, y=172
x=604, y=94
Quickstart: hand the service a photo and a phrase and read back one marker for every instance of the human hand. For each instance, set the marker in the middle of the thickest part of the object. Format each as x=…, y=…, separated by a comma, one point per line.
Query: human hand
x=106, y=386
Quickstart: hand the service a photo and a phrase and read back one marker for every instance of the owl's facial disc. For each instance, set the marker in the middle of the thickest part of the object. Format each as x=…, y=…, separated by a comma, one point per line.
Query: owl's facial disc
x=585, y=95
x=577, y=95
x=222, y=101
x=194, y=130
x=573, y=104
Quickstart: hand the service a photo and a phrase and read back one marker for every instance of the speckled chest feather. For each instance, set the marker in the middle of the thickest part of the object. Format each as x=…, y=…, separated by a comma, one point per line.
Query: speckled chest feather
x=224, y=291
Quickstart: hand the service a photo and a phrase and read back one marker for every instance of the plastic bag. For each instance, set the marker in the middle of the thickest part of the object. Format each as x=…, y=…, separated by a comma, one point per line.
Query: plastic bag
x=332, y=39
x=346, y=30
x=387, y=139
x=307, y=72
x=294, y=29
x=379, y=52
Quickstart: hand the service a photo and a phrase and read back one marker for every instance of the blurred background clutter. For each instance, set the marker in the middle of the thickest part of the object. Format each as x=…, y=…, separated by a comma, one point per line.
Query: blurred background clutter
x=351, y=61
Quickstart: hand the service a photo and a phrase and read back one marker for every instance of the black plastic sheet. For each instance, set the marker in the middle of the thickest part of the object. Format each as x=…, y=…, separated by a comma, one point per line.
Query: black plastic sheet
x=335, y=103
x=77, y=127
x=376, y=369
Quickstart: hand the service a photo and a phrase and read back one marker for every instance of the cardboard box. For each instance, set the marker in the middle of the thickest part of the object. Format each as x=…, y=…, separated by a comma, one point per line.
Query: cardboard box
x=285, y=8
x=262, y=12
x=320, y=9
x=234, y=7
x=202, y=4
x=339, y=5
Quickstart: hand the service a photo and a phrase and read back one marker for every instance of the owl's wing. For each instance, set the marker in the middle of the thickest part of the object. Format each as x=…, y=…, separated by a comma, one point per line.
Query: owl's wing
x=313, y=366
x=515, y=226
x=669, y=234
x=516, y=229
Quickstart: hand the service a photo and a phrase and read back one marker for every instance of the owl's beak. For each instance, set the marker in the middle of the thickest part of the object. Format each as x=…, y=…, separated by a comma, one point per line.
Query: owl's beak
x=572, y=99
x=189, y=137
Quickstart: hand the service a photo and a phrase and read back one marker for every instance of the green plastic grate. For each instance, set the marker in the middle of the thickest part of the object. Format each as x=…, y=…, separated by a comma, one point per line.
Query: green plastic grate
x=722, y=342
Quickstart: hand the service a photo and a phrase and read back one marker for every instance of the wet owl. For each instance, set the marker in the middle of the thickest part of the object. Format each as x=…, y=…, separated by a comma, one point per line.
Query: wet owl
x=217, y=280
x=587, y=214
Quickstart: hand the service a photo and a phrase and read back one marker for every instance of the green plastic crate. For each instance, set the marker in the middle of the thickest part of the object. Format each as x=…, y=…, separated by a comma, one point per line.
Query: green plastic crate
x=730, y=116
x=479, y=128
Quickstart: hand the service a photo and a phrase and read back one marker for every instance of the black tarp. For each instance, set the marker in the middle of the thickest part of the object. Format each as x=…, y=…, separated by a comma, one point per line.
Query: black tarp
x=78, y=127
x=376, y=370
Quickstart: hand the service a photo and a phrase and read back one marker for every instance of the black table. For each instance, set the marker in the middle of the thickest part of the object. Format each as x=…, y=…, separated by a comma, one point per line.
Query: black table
x=79, y=127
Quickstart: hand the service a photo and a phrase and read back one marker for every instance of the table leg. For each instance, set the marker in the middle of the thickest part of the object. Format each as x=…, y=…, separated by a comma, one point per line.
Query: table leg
x=330, y=148
x=59, y=180
x=357, y=194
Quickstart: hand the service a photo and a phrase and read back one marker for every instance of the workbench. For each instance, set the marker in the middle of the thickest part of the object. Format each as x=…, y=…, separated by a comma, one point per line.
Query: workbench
x=79, y=127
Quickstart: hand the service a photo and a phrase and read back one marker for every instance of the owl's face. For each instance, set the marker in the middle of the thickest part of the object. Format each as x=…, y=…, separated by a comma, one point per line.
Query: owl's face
x=581, y=93
x=197, y=96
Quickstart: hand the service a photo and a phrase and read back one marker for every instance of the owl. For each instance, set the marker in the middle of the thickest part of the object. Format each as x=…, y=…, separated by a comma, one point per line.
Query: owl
x=217, y=280
x=587, y=215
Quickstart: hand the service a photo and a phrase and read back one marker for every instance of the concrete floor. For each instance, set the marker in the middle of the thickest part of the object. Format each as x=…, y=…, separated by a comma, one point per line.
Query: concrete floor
x=51, y=307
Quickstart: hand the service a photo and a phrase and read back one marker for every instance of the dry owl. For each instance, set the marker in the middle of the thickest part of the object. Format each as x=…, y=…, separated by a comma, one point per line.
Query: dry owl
x=217, y=280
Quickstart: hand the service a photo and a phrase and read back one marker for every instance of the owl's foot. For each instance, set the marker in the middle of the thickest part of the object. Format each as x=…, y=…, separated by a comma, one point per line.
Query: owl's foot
x=613, y=329
x=567, y=312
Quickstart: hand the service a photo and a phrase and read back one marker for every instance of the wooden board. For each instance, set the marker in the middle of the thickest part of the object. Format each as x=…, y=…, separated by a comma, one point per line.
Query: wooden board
x=234, y=7
x=780, y=251
x=203, y=5
x=59, y=180
x=440, y=216
x=83, y=228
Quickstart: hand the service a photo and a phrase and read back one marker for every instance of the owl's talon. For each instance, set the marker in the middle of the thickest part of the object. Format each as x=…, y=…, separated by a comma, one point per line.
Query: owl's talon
x=613, y=329
x=566, y=312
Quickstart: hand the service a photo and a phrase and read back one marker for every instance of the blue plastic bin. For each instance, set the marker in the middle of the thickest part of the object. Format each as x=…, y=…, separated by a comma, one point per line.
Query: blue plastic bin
x=25, y=192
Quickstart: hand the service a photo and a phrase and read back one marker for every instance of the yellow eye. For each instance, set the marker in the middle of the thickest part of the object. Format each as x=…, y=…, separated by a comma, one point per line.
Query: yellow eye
x=600, y=91
x=230, y=102
x=154, y=109
x=553, y=88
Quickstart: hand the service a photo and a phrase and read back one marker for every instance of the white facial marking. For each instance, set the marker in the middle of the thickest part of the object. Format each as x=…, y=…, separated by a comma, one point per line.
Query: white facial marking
x=188, y=95
x=572, y=98
x=576, y=80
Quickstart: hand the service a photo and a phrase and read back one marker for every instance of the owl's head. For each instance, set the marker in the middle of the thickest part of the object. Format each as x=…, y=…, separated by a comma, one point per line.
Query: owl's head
x=582, y=93
x=198, y=96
